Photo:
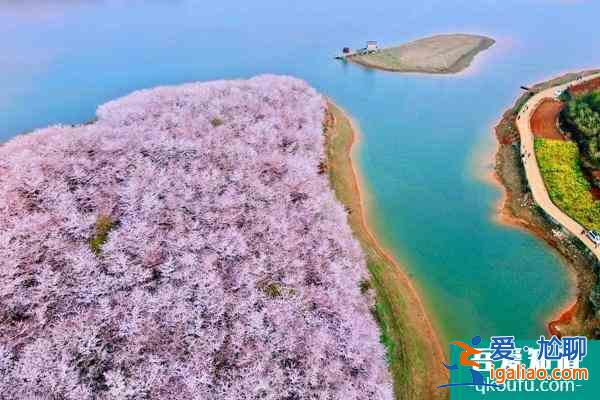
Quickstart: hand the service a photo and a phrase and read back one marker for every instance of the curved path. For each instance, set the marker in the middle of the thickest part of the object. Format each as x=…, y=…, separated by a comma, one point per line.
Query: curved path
x=532, y=170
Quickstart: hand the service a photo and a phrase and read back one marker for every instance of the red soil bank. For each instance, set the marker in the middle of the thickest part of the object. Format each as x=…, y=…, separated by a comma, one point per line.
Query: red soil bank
x=584, y=87
x=544, y=120
x=564, y=319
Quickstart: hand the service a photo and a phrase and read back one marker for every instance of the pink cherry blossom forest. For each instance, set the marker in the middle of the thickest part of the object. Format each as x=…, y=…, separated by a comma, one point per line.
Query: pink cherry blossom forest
x=183, y=246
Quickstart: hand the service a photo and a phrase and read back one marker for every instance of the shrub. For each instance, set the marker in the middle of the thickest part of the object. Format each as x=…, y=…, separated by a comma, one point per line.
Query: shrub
x=595, y=298
x=216, y=122
x=365, y=286
x=583, y=115
x=271, y=289
x=104, y=224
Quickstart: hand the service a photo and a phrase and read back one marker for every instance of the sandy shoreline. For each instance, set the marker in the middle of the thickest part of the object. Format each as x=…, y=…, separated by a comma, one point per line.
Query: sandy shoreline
x=418, y=322
x=516, y=209
x=386, y=253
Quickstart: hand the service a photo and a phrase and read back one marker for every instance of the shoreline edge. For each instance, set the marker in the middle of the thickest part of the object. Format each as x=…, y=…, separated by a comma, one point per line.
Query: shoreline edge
x=516, y=209
x=415, y=352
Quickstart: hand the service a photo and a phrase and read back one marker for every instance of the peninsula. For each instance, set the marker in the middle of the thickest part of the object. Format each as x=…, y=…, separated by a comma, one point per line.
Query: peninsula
x=439, y=54
x=548, y=191
x=190, y=235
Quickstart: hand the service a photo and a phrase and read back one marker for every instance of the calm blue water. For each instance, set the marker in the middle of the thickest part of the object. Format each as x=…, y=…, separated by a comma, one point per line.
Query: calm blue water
x=422, y=135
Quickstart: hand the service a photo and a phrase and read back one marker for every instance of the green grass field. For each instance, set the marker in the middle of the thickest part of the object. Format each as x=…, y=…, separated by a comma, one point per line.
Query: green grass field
x=560, y=166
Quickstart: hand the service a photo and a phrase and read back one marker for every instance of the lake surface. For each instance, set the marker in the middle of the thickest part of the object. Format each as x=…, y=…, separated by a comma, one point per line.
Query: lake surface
x=423, y=137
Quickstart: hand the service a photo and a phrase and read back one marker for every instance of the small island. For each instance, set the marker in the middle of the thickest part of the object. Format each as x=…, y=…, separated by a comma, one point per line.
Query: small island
x=440, y=54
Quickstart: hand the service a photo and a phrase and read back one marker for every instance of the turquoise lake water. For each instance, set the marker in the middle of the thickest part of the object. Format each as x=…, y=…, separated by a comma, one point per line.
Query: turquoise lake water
x=423, y=137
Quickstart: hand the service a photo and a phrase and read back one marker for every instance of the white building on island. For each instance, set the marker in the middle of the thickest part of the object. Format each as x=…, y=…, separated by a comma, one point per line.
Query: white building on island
x=372, y=46
x=347, y=52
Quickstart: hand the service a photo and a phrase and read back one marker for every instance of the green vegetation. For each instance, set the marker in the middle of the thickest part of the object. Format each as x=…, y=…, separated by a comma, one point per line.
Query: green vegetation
x=104, y=224
x=560, y=166
x=565, y=96
x=595, y=297
x=216, y=122
x=583, y=115
x=365, y=286
x=271, y=289
x=521, y=102
x=412, y=363
x=379, y=312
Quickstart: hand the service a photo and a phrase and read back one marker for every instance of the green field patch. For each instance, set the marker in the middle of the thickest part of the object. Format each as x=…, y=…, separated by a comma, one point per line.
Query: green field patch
x=567, y=186
x=104, y=224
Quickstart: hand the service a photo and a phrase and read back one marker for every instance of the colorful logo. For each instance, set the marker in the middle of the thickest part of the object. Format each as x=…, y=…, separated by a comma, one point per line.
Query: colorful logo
x=544, y=365
x=468, y=351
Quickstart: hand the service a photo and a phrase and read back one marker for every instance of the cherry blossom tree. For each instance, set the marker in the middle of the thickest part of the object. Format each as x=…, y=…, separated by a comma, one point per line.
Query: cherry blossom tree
x=183, y=246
